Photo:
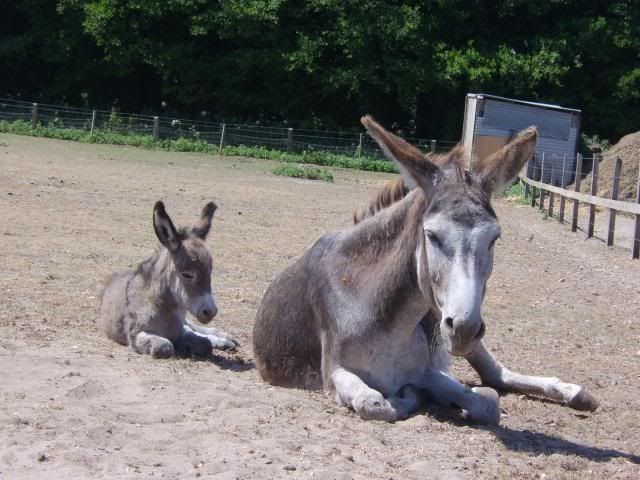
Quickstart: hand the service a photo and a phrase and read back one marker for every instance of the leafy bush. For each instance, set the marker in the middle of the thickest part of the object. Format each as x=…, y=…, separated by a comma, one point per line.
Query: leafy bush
x=182, y=144
x=515, y=192
x=314, y=157
x=588, y=142
x=297, y=171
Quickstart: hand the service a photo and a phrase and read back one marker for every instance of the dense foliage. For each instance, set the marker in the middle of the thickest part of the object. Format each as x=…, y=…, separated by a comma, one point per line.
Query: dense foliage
x=323, y=63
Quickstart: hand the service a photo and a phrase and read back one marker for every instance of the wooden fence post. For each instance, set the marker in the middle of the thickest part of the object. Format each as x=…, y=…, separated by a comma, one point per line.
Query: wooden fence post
x=222, y=134
x=359, y=149
x=526, y=174
x=34, y=115
x=576, y=203
x=551, y=194
x=533, y=189
x=635, y=253
x=594, y=192
x=614, y=196
x=290, y=140
x=156, y=128
x=93, y=121
x=434, y=145
x=542, y=169
x=563, y=184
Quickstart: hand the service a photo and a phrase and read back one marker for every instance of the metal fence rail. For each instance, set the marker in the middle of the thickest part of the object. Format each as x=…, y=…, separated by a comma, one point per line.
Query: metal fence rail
x=223, y=134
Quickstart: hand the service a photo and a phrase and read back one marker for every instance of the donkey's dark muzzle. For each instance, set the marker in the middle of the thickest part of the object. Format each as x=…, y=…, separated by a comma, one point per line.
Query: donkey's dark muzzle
x=462, y=336
x=207, y=314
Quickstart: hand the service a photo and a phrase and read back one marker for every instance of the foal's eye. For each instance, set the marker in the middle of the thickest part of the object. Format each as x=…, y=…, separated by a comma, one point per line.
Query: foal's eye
x=187, y=275
x=433, y=238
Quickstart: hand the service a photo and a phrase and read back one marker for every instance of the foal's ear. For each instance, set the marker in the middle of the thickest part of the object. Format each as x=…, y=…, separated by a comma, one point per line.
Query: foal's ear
x=501, y=168
x=165, y=231
x=202, y=227
x=416, y=169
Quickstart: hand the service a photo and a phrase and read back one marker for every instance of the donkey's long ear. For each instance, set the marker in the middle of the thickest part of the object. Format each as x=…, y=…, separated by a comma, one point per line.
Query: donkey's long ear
x=501, y=168
x=415, y=168
x=202, y=227
x=165, y=231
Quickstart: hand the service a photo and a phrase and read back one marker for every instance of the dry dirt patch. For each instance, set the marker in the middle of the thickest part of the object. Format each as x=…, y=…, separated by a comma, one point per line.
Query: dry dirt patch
x=74, y=404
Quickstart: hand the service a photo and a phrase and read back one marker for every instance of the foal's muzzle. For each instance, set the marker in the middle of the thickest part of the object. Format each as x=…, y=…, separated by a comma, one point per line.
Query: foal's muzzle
x=207, y=314
x=204, y=308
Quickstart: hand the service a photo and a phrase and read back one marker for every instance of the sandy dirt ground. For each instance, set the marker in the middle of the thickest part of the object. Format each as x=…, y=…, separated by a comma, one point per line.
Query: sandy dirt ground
x=75, y=405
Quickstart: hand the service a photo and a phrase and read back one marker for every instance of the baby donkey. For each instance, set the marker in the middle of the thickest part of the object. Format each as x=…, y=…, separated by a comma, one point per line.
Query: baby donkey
x=147, y=308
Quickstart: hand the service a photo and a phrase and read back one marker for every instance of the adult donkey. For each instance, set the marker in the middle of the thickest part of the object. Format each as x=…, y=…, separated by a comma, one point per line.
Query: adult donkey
x=373, y=314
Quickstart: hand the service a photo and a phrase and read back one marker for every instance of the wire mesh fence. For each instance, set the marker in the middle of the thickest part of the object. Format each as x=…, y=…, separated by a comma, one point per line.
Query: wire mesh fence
x=291, y=140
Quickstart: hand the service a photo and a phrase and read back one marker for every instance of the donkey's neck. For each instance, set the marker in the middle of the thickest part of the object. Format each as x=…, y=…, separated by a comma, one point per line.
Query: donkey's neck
x=158, y=280
x=381, y=259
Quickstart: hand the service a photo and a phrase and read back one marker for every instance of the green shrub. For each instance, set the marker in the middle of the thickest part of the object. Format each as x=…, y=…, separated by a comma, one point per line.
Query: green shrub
x=194, y=144
x=310, y=173
x=515, y=192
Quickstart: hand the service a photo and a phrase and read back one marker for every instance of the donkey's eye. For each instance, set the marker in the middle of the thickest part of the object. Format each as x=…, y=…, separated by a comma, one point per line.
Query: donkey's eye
x=493, y=242
x=433, y=238
x=187, y=275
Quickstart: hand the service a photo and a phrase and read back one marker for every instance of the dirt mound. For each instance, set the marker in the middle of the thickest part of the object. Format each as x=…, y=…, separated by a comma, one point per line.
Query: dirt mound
x=628, y=149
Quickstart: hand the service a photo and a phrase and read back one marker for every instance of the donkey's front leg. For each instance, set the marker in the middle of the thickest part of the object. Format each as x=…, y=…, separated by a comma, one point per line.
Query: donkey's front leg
x=370, y=404
x=154, y=345
x=493, y=373
x=480, y=404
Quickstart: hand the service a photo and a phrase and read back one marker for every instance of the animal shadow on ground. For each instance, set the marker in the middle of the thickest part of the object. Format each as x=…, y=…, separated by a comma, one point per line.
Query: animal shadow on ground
x=538, y=443
x=535, y=443
x=234, y=363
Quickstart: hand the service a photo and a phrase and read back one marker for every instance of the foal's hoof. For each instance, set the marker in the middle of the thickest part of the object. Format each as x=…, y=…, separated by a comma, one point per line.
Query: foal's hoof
x=584, y=401
x=219, y=343
x=164, y=350
x=486, y=410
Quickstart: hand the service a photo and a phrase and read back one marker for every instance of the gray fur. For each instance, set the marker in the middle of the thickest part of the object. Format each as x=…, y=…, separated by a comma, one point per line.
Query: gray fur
x=372, y=314
x=147, y=308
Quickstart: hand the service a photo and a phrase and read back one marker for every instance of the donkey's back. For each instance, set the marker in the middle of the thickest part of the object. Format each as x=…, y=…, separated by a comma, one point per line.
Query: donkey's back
x=286, y=333
x=113, y=309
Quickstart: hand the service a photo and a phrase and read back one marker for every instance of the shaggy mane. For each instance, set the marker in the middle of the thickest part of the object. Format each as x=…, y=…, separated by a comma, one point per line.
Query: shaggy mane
x=396, y=190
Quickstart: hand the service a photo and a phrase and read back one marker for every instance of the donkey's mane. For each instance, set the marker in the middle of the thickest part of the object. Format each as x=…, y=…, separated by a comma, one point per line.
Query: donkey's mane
x=396, y=190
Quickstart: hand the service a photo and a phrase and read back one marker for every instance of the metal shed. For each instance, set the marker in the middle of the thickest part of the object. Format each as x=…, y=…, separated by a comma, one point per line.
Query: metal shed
x=491, y=121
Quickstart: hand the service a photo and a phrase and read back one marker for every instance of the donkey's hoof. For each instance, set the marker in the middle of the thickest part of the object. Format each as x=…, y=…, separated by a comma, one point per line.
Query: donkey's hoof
x=486, y=410
x=584, y=401
x=371, y=405
x=164, y=350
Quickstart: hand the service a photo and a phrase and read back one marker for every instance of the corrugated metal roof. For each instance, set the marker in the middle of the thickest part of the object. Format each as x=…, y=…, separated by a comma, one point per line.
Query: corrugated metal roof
x=524, y=102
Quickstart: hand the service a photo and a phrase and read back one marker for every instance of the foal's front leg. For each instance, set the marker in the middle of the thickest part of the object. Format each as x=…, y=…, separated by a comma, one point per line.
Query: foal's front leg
x=370, y=404
x=195, y=343
x=154, y=345
x=493, y=373
x=218, y=338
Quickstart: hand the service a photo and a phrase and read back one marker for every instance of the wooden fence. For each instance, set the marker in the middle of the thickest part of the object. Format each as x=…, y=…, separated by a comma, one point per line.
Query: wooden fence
x=538, y=190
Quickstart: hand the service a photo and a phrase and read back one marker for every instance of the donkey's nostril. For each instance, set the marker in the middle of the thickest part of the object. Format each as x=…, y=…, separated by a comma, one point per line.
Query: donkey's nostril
x=206, y=312
x=449, y=322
